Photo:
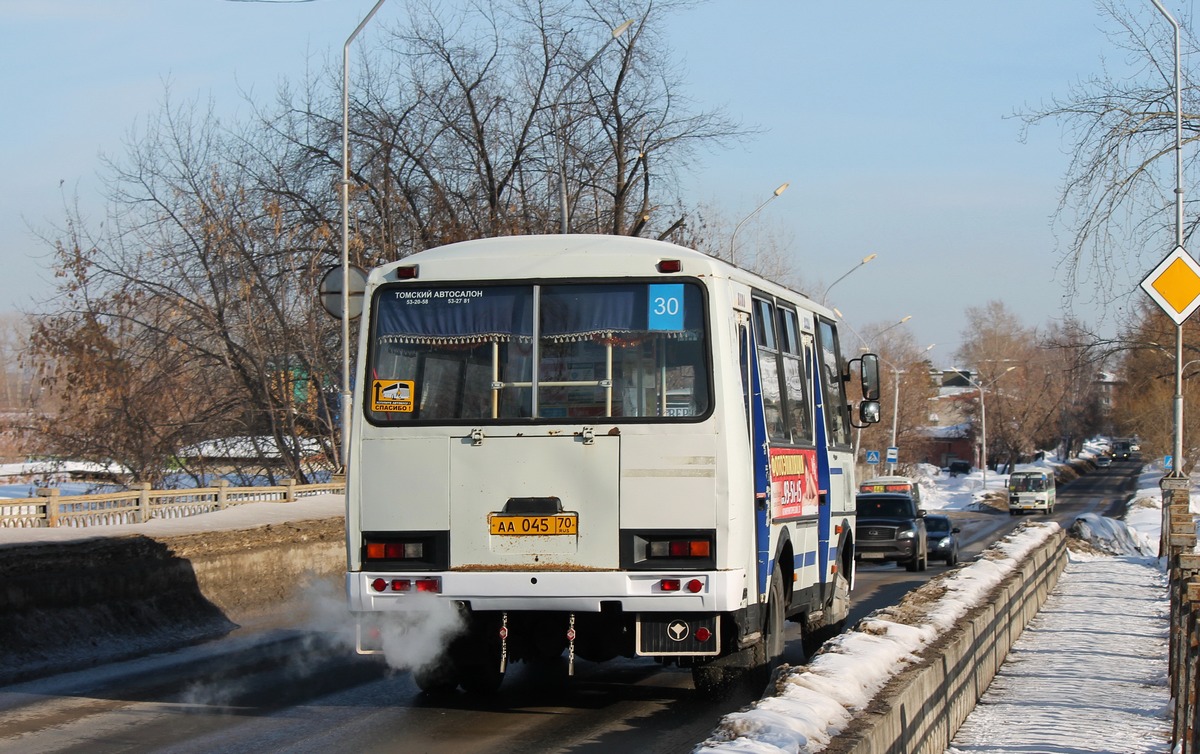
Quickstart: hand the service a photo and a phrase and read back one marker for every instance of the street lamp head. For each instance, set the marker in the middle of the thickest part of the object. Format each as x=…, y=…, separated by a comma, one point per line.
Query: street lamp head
x=622, y=29
x=736, y=228
x=867, y=258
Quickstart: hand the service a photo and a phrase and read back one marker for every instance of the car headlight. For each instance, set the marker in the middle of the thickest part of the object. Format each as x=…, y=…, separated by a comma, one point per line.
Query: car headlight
x=944, y=542
x=906, y=534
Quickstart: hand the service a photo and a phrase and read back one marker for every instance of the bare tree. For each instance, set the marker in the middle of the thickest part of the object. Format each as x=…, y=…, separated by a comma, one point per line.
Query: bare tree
x=1118, y=196
x=199, y=285
x=1025, y=383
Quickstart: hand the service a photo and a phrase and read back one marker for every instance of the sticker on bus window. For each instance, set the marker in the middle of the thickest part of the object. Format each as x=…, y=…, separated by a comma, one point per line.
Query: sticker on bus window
x=666, y=307
x=392, y=396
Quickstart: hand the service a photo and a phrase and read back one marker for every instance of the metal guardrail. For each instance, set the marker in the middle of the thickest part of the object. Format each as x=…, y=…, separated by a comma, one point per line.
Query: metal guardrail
x=52, y=509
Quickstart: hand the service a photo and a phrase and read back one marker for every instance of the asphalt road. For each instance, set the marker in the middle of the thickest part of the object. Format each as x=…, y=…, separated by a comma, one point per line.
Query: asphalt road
x=300, y=691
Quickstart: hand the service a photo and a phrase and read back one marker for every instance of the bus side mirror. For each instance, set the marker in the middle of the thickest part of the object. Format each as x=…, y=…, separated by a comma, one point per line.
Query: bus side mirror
x=868, y=365
x=868, y=413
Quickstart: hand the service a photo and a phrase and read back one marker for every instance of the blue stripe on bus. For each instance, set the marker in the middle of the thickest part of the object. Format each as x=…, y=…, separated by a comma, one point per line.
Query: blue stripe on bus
x=804, y=559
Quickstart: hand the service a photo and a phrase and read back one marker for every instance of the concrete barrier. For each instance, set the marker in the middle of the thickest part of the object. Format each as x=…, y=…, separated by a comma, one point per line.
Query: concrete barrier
x=68, y=605
x=921, y=709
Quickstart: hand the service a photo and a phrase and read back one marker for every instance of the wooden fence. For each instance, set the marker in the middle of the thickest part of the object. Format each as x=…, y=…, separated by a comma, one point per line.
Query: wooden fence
x=1178, y=543
x=50, y=508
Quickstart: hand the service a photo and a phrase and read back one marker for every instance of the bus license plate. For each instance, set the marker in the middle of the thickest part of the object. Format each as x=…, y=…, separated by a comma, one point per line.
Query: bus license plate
x=534, y=525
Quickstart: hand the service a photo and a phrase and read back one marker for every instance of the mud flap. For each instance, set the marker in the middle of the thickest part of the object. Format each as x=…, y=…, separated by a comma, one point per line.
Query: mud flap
x=665, y=635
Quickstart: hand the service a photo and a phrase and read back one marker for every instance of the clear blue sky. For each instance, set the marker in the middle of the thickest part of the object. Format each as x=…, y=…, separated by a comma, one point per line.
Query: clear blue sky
x=888, y=119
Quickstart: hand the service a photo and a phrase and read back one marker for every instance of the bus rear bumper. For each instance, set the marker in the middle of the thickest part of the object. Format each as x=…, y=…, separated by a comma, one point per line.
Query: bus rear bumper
x=583, y=592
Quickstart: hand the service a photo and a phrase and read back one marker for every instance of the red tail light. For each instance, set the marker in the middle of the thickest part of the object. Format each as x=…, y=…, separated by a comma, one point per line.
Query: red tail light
x=680, y=548
x=432, y=585
x=669, y=585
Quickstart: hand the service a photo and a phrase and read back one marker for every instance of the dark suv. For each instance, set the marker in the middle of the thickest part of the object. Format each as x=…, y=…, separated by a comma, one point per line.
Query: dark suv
x=891, y=528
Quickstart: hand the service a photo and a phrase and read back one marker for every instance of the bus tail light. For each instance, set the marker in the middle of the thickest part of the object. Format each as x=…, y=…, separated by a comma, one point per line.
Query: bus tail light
x=695, y=586
x=669, y=265
x=680, y=548
x=408, y=272
x=693, y=549
x=395, y=550
x=406, y=550
x=431, y=585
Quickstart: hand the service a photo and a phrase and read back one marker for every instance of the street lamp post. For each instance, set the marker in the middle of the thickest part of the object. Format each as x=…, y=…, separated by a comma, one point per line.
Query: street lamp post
x=564, y=216
x=1177, y=454
x=983, y=420
x=896, y=402
x=346, y=398
x=736, y=228
x=865, y=259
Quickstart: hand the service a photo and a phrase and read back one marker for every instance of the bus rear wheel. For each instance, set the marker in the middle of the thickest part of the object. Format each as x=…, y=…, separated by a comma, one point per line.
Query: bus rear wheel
x=715, y=680
x=438, y=678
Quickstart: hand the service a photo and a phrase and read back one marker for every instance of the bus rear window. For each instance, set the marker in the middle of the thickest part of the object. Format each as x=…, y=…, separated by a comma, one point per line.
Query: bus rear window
x=475, y=353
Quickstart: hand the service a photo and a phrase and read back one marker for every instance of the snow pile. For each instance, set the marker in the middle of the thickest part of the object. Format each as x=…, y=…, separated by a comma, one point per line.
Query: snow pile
x=813, y=704
x=1113, y=537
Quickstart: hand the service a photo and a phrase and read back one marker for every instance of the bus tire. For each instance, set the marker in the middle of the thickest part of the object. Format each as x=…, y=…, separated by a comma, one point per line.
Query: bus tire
x=839, y=607
x=769, y=651
x=438, y=678
x=482, y=679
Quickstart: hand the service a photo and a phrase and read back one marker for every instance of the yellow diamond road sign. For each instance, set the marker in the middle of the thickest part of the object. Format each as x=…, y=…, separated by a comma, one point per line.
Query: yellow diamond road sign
x=1175, y=285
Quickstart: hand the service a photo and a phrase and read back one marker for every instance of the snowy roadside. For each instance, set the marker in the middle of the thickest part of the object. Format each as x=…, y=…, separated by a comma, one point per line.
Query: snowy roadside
x=817, y=702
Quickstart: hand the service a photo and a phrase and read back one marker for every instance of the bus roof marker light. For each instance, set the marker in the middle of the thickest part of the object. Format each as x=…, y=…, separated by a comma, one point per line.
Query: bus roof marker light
x=408, y=272
x=669, y=265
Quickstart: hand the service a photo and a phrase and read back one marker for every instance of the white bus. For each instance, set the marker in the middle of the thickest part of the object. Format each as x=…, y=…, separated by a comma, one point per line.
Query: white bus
x=604, y=446
x=1031, y=491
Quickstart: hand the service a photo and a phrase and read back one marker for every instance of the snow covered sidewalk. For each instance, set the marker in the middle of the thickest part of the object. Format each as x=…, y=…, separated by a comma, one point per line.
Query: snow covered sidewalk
x=1089, y=674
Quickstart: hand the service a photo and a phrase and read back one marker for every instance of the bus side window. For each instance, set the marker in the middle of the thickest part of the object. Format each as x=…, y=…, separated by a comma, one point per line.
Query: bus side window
x=768, y=370
x=837, y=413
x=794, y=379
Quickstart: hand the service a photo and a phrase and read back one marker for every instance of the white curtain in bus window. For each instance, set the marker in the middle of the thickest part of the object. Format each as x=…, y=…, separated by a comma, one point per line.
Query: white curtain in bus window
x=451, y=344
x=622, y=350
